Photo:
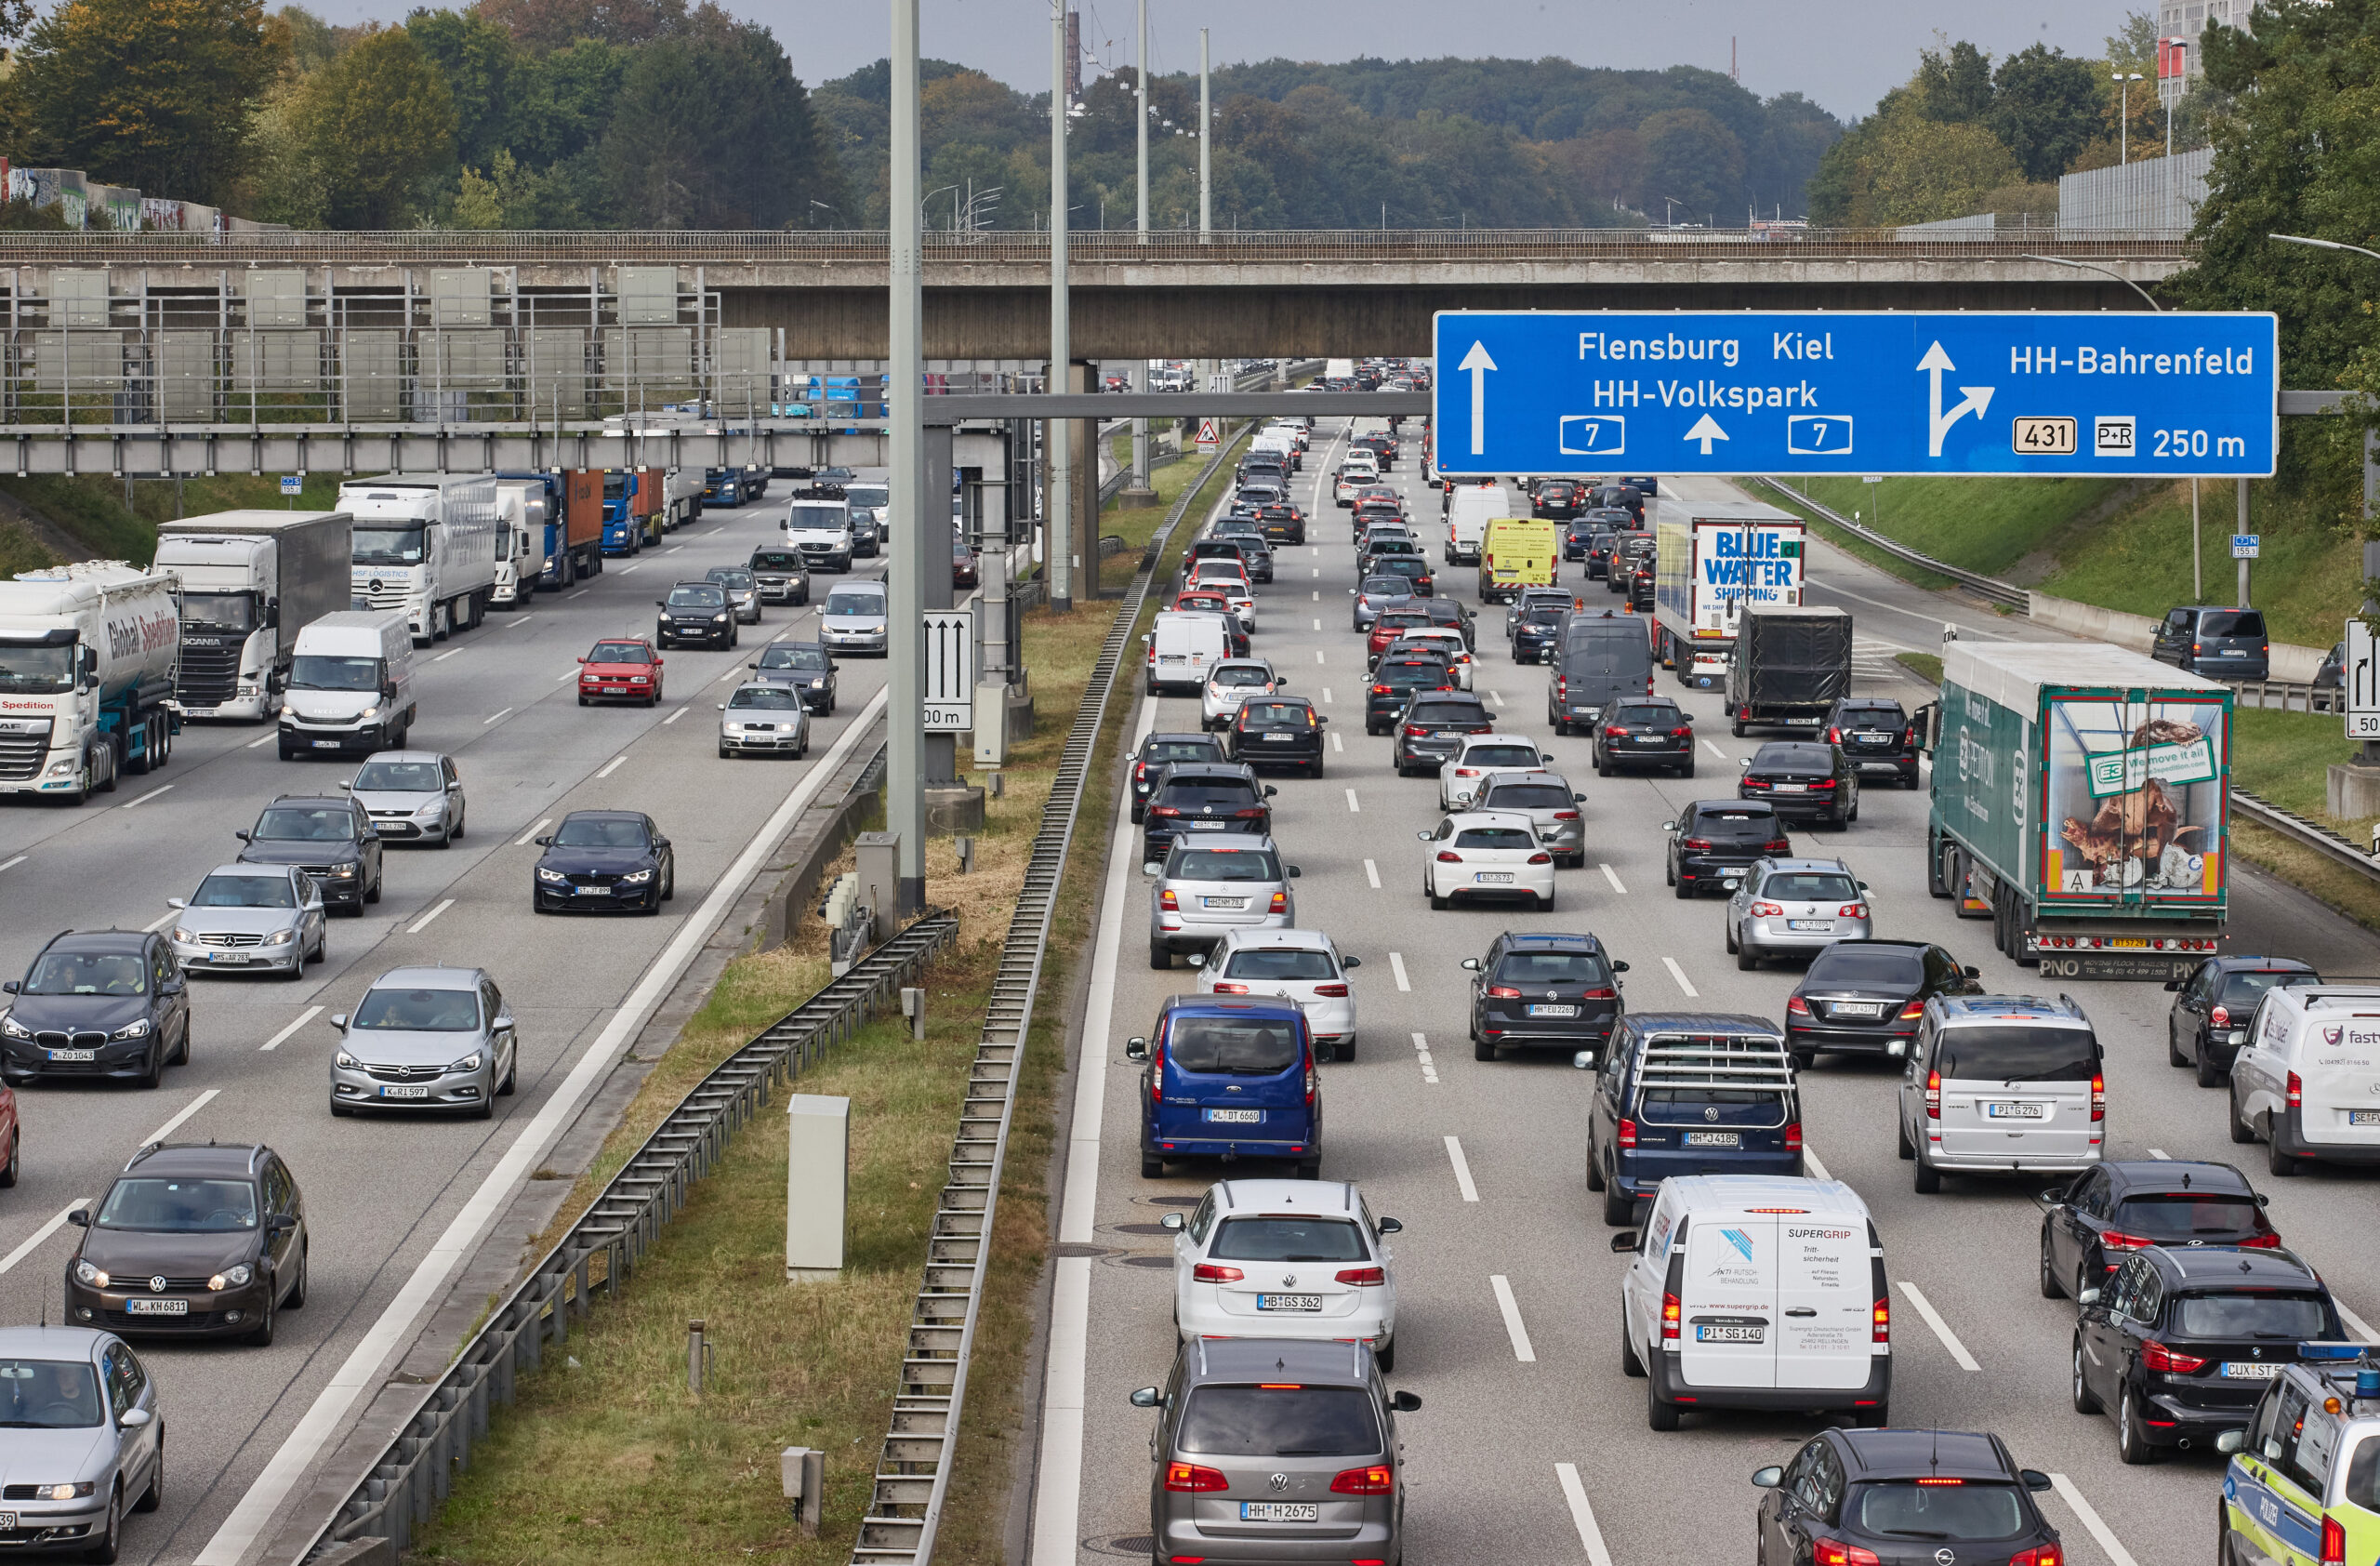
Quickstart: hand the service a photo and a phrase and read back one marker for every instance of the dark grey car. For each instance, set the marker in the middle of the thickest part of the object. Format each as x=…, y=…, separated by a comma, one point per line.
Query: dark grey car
x=2224, y=644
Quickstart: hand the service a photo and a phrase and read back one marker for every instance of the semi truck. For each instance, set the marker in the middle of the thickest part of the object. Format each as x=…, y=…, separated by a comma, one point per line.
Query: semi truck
x=573, y=542
x=1712, y=560
x=524, y=523
x=87, y=677
x=1790, y=667
x=425, y=544
x=250, y=581
x=635, y=505
x=2079, y=801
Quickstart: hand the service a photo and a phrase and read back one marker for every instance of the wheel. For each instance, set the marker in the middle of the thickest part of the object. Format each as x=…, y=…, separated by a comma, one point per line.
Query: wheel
x=1481, y=1049
x=2241, y=1132
x=2174, y=1055
x=372, y=893
x=1387, y=1359
x=1594, y=1167
x=669, y=883
x=1935, y=886
x=154, y=1496
x=1603, y=764
x=1159, y=958
x=2283, y=1166
x=458, y=826
x=1737, y=725
x=1688, y=770
x=1927, y=1179
x=2050, y=1287
x=1684, y=892
x=1436, y=902
x=296, y=1300
x=2131, y=1435
x=262, y=1336
x=1658, y=1413
x=16, y=1153
x=2207, y=1069
x=1669, y=871
x=1855, y=808
x=154, y=1071
x=1151, y=1168
x=110, y=1531
x=1901, y=1144
x=512, y=1076
x=1545, y=904
x=2085, y=1401
x=1804, y=1060
x=1747, y=958
x=181, y=1050
x=1629, y=1365
x=486, y=1111
x=1345, y=1050
x=1618, y=1205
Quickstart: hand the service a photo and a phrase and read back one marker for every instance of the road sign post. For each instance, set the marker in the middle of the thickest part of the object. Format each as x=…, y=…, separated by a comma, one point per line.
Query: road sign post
x=947, y=698
x=1210, y=434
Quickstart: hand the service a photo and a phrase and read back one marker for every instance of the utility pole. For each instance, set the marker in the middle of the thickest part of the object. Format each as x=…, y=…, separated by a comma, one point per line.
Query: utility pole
x=1205, y=156
x=2197, y=574
x=2242, y=528
x=904, y=811
x=1058, y=493
x=1142, y=98
x=1139, y=378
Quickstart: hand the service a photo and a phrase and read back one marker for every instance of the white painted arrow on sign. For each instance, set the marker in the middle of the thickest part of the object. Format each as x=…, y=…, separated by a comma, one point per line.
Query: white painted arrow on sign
x=1706, y=429
x=1978, y=398
x=1478, y=363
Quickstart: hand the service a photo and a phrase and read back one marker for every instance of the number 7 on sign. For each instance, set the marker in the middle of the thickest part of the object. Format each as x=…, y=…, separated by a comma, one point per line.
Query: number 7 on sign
x=1594, y=434
x=1812, y=434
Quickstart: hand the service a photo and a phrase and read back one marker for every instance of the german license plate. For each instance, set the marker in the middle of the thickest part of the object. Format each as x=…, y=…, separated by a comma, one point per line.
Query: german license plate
x=1169, y=657
x=1730, y=1331
x=234, y=957
x=416, y=1090
x=1236, y=1116
x=2249, y=1370
x=1280, y=1512
x=1810, y=924
x=138, y=1306
x=1289, y=1302
x=1208, y=825
x=1278, y=739
x=8, y=1521
x=2001, y=1111
x=1446, y=734
x=1493, y=878
x=1554, y=1011
x=1792, y=787
x=1855, y=1008
x=1714, y=1139
x=2134, y=942
x=326, y=744
x=1869, y=737
x=72, y=1055
x=2363, y=1117
x=1223, y=902
x=1809, y=723
x=592, y=891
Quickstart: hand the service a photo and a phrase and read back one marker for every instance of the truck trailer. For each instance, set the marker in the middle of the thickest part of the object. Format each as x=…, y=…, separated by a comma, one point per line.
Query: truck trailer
x=425, y=544
x=2079, y=801
x=1713, y=560
x=1789, y=667
x=87, y=677
x=573, y=545
x=250, y=582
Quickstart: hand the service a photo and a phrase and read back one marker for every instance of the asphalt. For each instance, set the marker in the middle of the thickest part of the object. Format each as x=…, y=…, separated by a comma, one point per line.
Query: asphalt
x=379, y=1192
x=1531, y=1445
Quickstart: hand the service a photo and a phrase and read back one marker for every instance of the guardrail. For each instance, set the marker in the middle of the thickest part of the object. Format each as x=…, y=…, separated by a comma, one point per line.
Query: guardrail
x=1990, y=588
x=2305, y=833
x=2295, y=695
x=404, y=1488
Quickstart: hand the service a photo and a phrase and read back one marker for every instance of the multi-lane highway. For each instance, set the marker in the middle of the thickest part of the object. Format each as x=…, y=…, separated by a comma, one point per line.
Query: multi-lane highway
x=1531, y=1445
x=381, y=1192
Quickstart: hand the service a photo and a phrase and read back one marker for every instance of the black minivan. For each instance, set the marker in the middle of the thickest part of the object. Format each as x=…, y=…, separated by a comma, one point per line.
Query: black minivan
x=2221, y=643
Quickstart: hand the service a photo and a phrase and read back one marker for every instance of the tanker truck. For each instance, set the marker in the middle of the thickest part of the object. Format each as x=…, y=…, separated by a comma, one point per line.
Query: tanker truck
x=87, y=657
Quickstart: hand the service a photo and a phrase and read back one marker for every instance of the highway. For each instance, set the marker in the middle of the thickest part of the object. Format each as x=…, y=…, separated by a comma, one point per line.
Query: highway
x=379, y=1192
x=1531, y=1445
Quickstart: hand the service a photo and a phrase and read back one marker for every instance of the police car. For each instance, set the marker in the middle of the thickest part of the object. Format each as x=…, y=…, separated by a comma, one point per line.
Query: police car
x=2304, y=1484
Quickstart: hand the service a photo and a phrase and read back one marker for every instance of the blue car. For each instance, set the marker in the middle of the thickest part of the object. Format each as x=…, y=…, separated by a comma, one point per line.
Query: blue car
x=1231, y=1079
x=1688, y=1093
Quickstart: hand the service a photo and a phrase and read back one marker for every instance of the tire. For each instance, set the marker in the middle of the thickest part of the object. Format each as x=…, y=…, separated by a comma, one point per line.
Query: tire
x=1684, y=892
x=296, y=1300
x=262, y=1336
x=2283, y=1166
x=1737, y=726
x=181, y=1050
x=1345, y=1050
x=1545, y=904
x=1659, y=1415
x=1161, y=960
x=339, y=1111
x=1901, y=1144
x=459, y=822
x=1926, y=1179
x=512, y=1076
x=2241, y=1132
x=1936, y=886
x=1438, y=903
x=486, y=1111
x=112, y=1532
x=2085, y=1401
x=1629, y=1365
x=1669, y=871
x=1594, y=1167
x=1481, y=1049
x=1747, y=958
x=1804, y=1060
x=669, y=883
x=1603, y=765
x=2209, y=1074
x=153, y=1073
x=1386, y=1358
x=2050, y=1288
x=372, y=893
x=154, y=1496
x=1688, y=770
x=1619, y=1207
x=1151, y=1168
x=2131, y=1436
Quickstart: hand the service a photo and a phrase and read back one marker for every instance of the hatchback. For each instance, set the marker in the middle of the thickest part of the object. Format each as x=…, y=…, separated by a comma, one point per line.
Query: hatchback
x=1432, y=725
x=192, y=1241
x=1254, y=552
x=620, y=670
x=1302, y=965
x=1231, y=681
x=1539, y=987
x=1907, y=1497
x=1443, y=640
x=782, y=576
x=966, y=569
x=1214, y=883
x=246, y=918
x=1394, y=682
x=1278, y=731
x=1782, y=906
x=854, y=620
x=1195, y=798
x=1286, y=1258
x=330, y=839
x=426, y=1039
x=1229, y=1077
x=1712, y=841
x=2089, y=1225
x=1284, y=524
x=762, y=717
x=696, y=612
x=1876, y=736
x=1549, y=801
x=1601, y=540
x=1536, y=631
x=604, y=859
x=1866, y=997
x=1518, y=609
x=1653, y=733
x=1486, y=854
x=743, y=591
x=2001, y=1085
x=1687, y=1093
x=79, y=1415
x=1803, y=781
x=2226, y=644
x=1630, y=549
x=806, y=666
x=411, y=795
x=97, y=1004
x=1161, y=747
x=2214, y=1006
x=1577, y=534
x=1389, y=627
x=1558, y=499
x=1265, y=1448
x=1412, y=570
x=1476, y=756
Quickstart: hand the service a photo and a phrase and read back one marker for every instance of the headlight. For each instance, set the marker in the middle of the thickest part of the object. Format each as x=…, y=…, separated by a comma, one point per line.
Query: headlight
x=545, y=874
x=136, y=1029
x=469, y=1063
x=15, y=1029
x=640, y=680
x=368, y=714
x=347, y=1062
x=281, y=938
x=231, y=1277
x=85, y=1273
x=718, y=618
x=184, y=936
x=817, y=684
x=64, y=1492
x=435, y=807
x=347, y=869
x=636, y=878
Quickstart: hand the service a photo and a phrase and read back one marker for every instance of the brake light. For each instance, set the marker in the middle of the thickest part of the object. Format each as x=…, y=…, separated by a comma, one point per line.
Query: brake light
x=1674, y=734
x=1448, y=856
x=1694, y=844
x=1934, y=1480
x=1880, y=1324
x=1911, y=1011
x=1313, y=1080
x=1192, y=1478
x=1835, y=1552
x=1540, y=858
x=2040, y=1555
x=1627, y=1133
x=1503, y=993
x=1566, y=816
x=1379, y=690
x=1797, y=1006
x=1834, y=736
x=1793, y=1136
x=1231, y=989
x=1156, y=1071
x=1933, y=1095
x=1672, y=1312
x=2116, y=1239
x=1607, y=993
x=2261, y=1241
x=1852, y=910
x=1466, y=772
x=1416, y=730
x=1767, y=910
x=1744, y=713
x=1208, y=1272
x=1821, y=783
x=1362, y=1277
x=2296, y=1092
x=1615, y=731
x=1778, y=845
x=1140, y=770
x=1561, y=685
x=1168, y=901
x=2157, y=1357
x=1333, y=991
x=1374, y=1480
x=1252, y=813
x=2098, y=1098
x=1751, y=782
x=2220, y=1016
x=1163, y=809
x=2334, y=1542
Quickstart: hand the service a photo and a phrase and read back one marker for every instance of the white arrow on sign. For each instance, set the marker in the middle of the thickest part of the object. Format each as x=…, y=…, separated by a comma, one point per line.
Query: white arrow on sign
x=1978, y=398
x=1706, y=429
x=1478, y=364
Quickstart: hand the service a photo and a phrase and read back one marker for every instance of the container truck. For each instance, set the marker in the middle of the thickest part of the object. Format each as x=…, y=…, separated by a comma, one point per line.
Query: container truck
x=634, y=506
x=1790, y=667
x=1712, y=560
x=574, y=533
x=250, y=581
x=87, y=677
x=2080, y=799
x=425, y=545
x=525, y=524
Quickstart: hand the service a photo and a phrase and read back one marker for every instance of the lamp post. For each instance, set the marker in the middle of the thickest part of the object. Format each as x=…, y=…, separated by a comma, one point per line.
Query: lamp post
x=1058, y=495
x=1206, y=141
x=2123, y=115
x=2181, y=85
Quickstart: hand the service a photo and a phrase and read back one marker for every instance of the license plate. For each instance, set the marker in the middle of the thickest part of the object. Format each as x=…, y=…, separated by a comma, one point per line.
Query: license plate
x=2249, y=1370
x=1792, y=787
x=593, y=891
x=1493, y=878
x=2234, y=653
x=2134, y=942
x=1869, y=737
x=156, y=1307
x=1224, y=902
x=326, y=744
x=1554, y=1011
x=8, y=1521
x=1236, y=1116
x=416, y=1090
x=72, y=1055
x=1810, y=722
x=1446, y=734
x=1279, y=738
x=1730, y=1332
x=2016, y=1111
x=2363, y=1117
x=1289, y=1302
x=231, y=957
x=1714, y=1139
x=1810, y=924
x=1206, y=826
x=1169, y=658
x=1280, y=1512
x=1855, y=1008
x=1646, y=740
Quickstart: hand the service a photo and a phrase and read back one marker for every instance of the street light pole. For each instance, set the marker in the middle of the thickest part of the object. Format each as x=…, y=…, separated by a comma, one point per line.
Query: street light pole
x=1205, y=156
x=905, y=812
x=1139, y=381
x=2124, y=114
x=1058, y=493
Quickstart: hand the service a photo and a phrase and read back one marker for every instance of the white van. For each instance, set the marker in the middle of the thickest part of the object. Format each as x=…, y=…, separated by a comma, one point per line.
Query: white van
x=1468, y=509
x=2307, y=1080
x=1183, y=645
x=351, y=685
x=1757, y=1291
x=1277, y=446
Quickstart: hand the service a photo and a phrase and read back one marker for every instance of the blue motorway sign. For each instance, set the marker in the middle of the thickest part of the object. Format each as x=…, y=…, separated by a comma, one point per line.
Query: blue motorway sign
x=2034, y=393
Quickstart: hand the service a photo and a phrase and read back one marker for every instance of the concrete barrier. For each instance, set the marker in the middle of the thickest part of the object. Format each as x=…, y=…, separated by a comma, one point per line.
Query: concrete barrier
x=2291, y=663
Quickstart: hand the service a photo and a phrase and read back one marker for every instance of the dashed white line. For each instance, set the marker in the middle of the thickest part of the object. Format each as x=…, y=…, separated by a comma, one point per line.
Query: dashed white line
x=193, y=1106
x=2159, y=1152
x=496, y=717
x=14, y=863
x=309, y=1015
x=674, y=716
x=156, y=925
x=673, y=548
x=1498, y=697
x=1941, y=1328
x=1613, y=876
x=626, y=569
x=1396, y=966
x=1353, y=806
x=130, y=805
x=1510, y=1310
x=566, y=674
x=1714, y=750
x=1462, y=1170
x=542, y=823
x=1340, y=745
x=582, y=593
x=614, y=765
x=2098, y=1530
x=2356, y=1324
x=419, y=925
x=1371, y=871
x=1317, y=654
x=1429, y=1066
x=22, y=1252
x=1679, y=973
x=261, y=740
x=1326, y=698
x=1318, y=598
x=1317, y=625
x=444, y=656
x=1583, y=1514
x=1317, y=570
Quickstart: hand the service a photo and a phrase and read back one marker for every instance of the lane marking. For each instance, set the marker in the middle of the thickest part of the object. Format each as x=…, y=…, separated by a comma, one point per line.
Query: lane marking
x=1317, y=625
x=530, y=836
x=1941, y=1328
x=1396, y=966
x=1613, y=876
x=443, y=657
x=614, y=765
x=674, y=716
x=1317, y=570
x=22, y=1252
x=1429, y=1065
x=133, y=804
x=1318, y=598
x=193, y=1106
x=1714, y=750
x=1338, y=745
x=1679, y=973
x=516, y=622
x=732, y=673
x=1371, y=871
x=1816, y=1165
x=2153, y=1152
x=1326, y=698
x=1317, y=654
x=496, y=717
x=1499, y=696
x=2098, y=1530
x=14, y=863
x=309, y=1015
x=673, y=548
x=1511, y=1312
x=419, y=925
x=626, y=569
x=582, y=593
x=155, y=925
x=1581, y=1513
x=261, y=740
x=566, y=674
x=1352, y=805
x=2356, y=1324
x=1461, y=1171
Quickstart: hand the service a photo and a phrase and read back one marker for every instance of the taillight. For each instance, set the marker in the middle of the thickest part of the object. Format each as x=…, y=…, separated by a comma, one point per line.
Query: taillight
x=2098, y=1098
x=1852, y=910
x=1414, y=731
x=2116, y=1239
x=1676, y=734
x=1744, y=713
x=1778, y=845
x=1911, y=1011
x=1566, y=816
x=1793, y=1136
x=2157, y=1357
x=1834, y=736
x=1540, y=858
x=1751, y=782
x=1615, y=731
x=1448, y=856
x=1694, y=844
x=2261, y=1241
x=2220, y=1016
x=1228, y=989
x=1379, y=690
x=1313, y=1080
x=1818, y=783
x=1163, y=809
x=1797, y=1006
x=1561, y=685
x=1933, y=1095
x=1280, y=902
x=1767, y=911
x=1880, y=1321
x=1672, y=1312
x=1362, y=1277
x=1503, y=993
x=2296, y=1092
x=1191, y=1476
x=1331, y=991
x=1208, y=1272
x=1627, y=1133
x=1156, y=1072
x=1835, y=1552
x=1374, y=1480
x=1168, y=901
x=1607, y=993
x=2334, y=1542
x=2040, y=1555
x=1253, y=813
x=1140, y=770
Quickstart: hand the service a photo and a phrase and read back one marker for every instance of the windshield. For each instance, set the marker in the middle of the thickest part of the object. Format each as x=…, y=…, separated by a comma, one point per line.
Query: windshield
x=1232, y=1046
x=597, y=831
x=1839, y=964
x=812, y=518
x=319, y=672
x=294, y=823
x=2244, y=986
x=88, y=973
x=620, y=651
x=31, y=671
x=1909, y=1510
x=168, y=1206
x=696, y=597
x=2183, y=1216
x=381, y=544
x=1279, y=1422
x=400, y=777
x=219, y=611
x=795, y=657
x=1240, y=674
x=1801, y=887
x=732, y=577
x=868, y=495
x=2018, y=1054
x=1552, y=967
x=775, y=698
x=2291, y=1317
x=1222, y=863
x=47, y=1395
x=418, y=1010
x=775, y=559
x=1280, y=964
x=1287, y=1239
x=245, y=891
x=851, y=600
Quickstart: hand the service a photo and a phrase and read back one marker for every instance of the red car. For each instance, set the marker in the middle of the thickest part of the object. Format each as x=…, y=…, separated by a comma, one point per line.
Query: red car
x=963, y=570
x=626, y=669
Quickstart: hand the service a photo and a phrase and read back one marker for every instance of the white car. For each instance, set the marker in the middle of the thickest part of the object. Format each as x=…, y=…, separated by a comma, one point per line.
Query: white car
x=1231, y=682
x=1286, y=1258
x=1301, y=965
x=1485, y=853
x=1351, y=479
x=1476, y=756
x=1228, y=578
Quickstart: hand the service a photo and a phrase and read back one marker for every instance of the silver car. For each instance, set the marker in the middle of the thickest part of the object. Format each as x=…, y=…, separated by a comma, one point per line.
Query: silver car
x=1207, y=888
x=743, y=591
x=1302, y=965
x=412, y=796
x=248, y=917
x=854, y=619
x=1547, y=799
x=1782, y=905
x=426, y=1039
x=765, y=716
x=81, y=1439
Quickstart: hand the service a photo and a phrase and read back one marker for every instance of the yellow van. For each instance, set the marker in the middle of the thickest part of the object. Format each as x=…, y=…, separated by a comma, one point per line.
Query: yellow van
x=1518, y=553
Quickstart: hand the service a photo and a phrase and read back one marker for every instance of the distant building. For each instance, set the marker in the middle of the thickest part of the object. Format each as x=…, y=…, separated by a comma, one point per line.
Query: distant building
x=2180, y=26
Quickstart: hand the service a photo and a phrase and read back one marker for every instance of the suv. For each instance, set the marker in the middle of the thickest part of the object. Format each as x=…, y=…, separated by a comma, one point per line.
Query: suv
x=1539, y=988
x=1278, y=731
x=2001, y=1085
x=1688, y=1093
x=1432, y=725
x=98, y=1004
x=2304, y=1080
x=426, y=1039
x=743, y=591
x=781, y=574
x=192, y=1241
x=694, y=612
x=331, y=838
x=1867, y=1494
x=1158, y=750
x=1212, y=884
x=1198, y=797
x=1651, y=732
x=2088, y=1227
x=1229, y=1077
x=1802, y=780
x=1876, y=736
x=2227, y=644
x=2213, y=1007
x=1714, y=842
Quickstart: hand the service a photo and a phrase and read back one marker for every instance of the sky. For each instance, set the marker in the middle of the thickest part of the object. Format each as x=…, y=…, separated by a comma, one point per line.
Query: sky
x=1843, y=54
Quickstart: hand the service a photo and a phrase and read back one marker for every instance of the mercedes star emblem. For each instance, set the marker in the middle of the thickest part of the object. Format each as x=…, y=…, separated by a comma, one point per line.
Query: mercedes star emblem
x=156, y=1285
x=1281, y=1482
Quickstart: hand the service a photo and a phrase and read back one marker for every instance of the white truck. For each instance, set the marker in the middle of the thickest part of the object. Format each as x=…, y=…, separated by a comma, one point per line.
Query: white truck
x=351, y=686
x=1713, y=558
x=1470, y=508
x=87, y=677
x=524, y=512
x=425, y=544
x=250, y=581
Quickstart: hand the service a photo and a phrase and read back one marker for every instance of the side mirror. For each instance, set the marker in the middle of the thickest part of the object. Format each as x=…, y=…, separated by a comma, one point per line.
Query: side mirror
x=1732, y=882
x=1744, y=764
x=176, y=902
x=1270, y=790
x=279, y=1223
x=1198, y=959
x=545, y=841
x=338, y=1020
x=2088, y=1296
x=1669, y=825
x=1392, y=1225
x=1768, y=1478
x=2173, y=984
x=1351, y=961
x=2037, y=1480
x=1406, y=1402
x=242, y=836
x=1861, y=884
x=1584, y=1060
x=10, y=987
x=1151, y=870
x=658, y=604
x=2263, y=1201
x=582, y=660
x=1426, y=837
x=133, y=1418
x=1148, y=1397
x=1687, y=718
x=349, y=784
x=503, y=1023
x=1970, y=970
x=2229, y=1442
x=1295, y=872
x=1619, y=965
x=1471, y=965
x=1172, y=1222
x=721, y=706
x=1578, y=799
x=1624, y=1242
x=1136, y=1049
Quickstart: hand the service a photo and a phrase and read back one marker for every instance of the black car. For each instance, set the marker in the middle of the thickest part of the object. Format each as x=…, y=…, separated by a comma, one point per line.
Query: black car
x=1642, y=584
x=1284, y=524
x=2214, y=1006
x=604, y=859
x=1278, y=731
x=696, y=612
x=1159, y=748
x=1804, y=781
x=2331, y=673
x=1904, y=1497
x=98, y=1003
x=1452, y=614
x=806, y=666
x=1535, y=629
x=783, y=576
x=1861, y=996
x=1558, y=498
x=1204, y=797
x=1600, y=542
x=1430, y=727
x=2173, y=1346
x=1630, y=549
x=1394, y=681
x=2090, y=1225
x=1876, y=736
x=331, y=838
x=1419, y=580
x=1711, y=839
x=1652, y=733
x=1539, y=988
x=192, y=1241
x=2226, y=644
x=1618, y=498
x=1255, y=553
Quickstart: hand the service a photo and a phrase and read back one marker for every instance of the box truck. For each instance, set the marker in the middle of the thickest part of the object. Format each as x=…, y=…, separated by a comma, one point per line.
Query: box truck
x=87, y=677
x=425, y=546
x=1790, y=667
x=250, y=581
x=351, y=685
x=1713, y=560
x=2079, y=801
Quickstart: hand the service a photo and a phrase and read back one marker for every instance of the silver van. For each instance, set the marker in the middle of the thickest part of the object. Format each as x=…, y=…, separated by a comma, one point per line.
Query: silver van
x=2003, y=1084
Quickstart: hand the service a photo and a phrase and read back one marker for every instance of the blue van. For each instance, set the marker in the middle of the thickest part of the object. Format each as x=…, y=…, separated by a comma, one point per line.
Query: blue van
x=1688, y=1093
x=1229, y=1078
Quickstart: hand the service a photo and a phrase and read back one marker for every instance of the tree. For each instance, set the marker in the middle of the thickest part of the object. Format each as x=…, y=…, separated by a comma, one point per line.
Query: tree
x=2045, y=107
x=363, y=132
x=1955, y=88
x=1691, y=158
x=1899, y=167
x=541, y=25
x=714, y=131
x=484, y=73
x=149, y=93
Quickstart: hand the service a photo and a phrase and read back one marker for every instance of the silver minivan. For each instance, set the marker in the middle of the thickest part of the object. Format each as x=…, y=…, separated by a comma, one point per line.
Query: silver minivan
x=2003, y=1084
x=1209, y=887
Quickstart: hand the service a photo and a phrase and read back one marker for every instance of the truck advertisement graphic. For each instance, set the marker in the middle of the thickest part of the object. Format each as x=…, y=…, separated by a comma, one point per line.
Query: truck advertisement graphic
x=2135, y=799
